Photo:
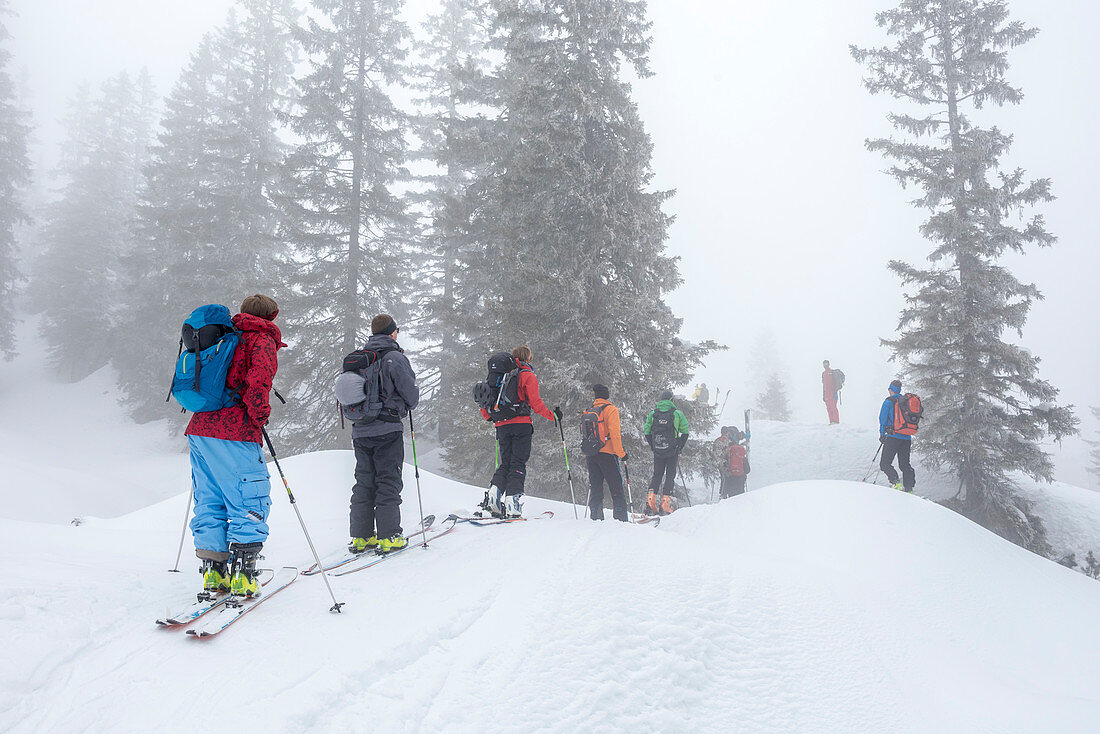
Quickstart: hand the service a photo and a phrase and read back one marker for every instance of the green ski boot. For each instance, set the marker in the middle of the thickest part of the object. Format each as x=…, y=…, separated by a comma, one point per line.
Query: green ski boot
x=215, y=575
x=245, y=581
x=361, y=545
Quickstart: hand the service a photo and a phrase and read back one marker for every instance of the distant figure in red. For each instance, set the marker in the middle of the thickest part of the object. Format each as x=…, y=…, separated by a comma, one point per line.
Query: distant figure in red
x=829, y=393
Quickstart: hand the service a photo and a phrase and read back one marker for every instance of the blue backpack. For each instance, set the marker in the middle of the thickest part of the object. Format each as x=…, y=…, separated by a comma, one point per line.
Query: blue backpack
x=207, y=344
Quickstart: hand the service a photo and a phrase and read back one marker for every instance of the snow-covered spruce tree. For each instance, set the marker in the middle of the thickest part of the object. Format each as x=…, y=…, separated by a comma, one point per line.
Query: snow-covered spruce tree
x=15, y=178
x=986, y=408
x=1094, y=452
x=572, y=257
x=452, y=125
x=349, y=225
x=772, y=403
x=77, y=285
x=208, y=229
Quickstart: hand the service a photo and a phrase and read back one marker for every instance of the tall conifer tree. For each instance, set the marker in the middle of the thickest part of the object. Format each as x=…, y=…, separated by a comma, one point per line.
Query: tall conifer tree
x=772, y=403
x=452, y=125
x=350, y=226
x=77, y=284
x=572, y=235
x=987, y=409
x=15, y=178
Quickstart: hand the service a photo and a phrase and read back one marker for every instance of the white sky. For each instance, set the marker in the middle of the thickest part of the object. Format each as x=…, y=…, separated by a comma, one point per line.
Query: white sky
x=784, y=221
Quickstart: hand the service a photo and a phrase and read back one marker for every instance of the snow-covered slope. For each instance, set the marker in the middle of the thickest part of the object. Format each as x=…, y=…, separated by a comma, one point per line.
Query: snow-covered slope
x=805, y=607
x=68, y=449
x=787, y=452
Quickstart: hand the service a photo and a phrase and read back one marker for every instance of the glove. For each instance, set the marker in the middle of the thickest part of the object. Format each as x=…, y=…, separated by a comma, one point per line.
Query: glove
x=882, y=439
x=557, y=412
x=625, y=456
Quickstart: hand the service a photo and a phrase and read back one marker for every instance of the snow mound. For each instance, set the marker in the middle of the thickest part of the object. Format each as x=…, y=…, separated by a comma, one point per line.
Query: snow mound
x=804, y=607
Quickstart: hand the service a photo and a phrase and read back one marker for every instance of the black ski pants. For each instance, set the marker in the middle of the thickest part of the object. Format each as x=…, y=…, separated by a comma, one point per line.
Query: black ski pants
x=376, y=496
x=664, y=466
x=732, y=485
x=605, y=467
x=515, y=449
x=893, y=446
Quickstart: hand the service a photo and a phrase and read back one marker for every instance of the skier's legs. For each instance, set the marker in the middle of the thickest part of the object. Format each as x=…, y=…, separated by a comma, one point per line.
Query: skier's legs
x=595, y=484
x=614, y=477
x=658, y=472
x=388, y=452
x=364, y=490
x=245, y=485
x=737, y=485
x=886, y=463
x=670, y=473
x=834, y=413
x=211, y=522
x=519, y=454
x=504, y=443
x=726, y=486
x=908, y=476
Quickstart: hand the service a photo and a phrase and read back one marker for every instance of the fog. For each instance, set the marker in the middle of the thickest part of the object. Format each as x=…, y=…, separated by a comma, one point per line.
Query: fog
x=784, y=222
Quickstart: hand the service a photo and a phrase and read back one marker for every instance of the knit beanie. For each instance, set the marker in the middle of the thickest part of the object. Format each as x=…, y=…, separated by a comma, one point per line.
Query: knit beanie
x=601, y=392
x=665, y=395
x=383, y=323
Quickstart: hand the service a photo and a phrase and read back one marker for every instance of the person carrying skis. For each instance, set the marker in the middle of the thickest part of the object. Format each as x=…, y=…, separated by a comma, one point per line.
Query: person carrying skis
x=895, y=443
x=734, y=468
x=666, y=432
x=229, y=478
x=604, y=465
x=505, y=495
x=829, y=393
x=380, y=447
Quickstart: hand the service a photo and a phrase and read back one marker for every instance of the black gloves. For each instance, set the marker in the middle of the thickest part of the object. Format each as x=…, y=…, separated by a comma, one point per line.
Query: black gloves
x=882, y=439
x=683, y=442
x=649, y=440
x=557, y=412
x=625, y=456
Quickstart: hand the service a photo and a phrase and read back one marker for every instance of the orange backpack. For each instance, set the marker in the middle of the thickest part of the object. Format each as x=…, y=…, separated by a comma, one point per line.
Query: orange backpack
x=907, y=414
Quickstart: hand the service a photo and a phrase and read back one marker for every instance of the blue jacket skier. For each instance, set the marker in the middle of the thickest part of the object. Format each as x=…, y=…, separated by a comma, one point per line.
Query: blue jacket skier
x=895, y=442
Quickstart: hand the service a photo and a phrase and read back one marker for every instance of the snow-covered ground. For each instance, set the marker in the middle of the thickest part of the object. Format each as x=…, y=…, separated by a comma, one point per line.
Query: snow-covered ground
x=803, y=606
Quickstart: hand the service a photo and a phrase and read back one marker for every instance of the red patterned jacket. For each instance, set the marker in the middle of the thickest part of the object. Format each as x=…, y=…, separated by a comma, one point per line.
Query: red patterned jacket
x=252, y=370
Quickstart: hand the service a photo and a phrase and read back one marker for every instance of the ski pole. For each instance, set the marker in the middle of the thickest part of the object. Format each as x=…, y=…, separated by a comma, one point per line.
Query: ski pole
x=872, y=469
x=416, y=471
x=629, y=495
x=183, y=532
x=568, y=471
x=293, y=503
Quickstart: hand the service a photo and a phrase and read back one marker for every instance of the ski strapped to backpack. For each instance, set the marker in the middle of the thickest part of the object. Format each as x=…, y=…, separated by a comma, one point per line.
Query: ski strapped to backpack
x=907, y=414
x=592, y=440
x=498, y=395
x=359, y=387
x=207, y=343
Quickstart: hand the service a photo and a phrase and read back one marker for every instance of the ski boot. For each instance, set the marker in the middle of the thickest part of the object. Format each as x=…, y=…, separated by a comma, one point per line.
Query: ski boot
x=397, y=541
x=651, y=504
x=897, y=486
x=666, y=504
x=215, y=576
x=245, y=581
x=492, y=504
x=361, y=545
x=513, y=506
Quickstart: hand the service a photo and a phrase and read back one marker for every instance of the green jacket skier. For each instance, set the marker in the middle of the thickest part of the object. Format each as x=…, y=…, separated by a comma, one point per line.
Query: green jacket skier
x=666, y=432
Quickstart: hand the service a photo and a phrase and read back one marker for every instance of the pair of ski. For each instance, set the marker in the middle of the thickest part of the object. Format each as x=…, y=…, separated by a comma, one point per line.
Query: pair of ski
x=349, y=557
x=484, y=520
x=216, y=611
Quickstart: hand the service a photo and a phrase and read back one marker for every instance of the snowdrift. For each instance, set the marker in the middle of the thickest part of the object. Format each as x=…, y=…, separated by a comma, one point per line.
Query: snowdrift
x=805, y=607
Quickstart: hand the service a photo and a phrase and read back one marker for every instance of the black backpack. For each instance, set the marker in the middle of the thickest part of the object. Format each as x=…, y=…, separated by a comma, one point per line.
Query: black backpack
x=663, y=432
x=359, y=387
x=499, y=393
x=591, y=441
x=838, y=379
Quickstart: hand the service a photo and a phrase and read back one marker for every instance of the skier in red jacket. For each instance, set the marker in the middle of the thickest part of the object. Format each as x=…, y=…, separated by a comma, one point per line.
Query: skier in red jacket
x=229, y=477
x=505, y=495
x=829, y=393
